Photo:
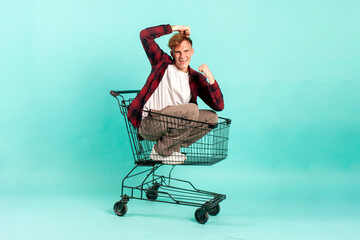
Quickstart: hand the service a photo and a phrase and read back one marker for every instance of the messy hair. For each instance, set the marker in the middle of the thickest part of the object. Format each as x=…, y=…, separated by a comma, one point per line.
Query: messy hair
x=177, y=38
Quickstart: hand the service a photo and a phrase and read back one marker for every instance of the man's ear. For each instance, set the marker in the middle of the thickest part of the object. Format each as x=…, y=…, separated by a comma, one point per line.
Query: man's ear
x=192, y=51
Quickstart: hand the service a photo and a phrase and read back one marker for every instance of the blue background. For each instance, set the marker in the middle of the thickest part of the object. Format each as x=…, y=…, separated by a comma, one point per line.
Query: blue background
x=290, y=75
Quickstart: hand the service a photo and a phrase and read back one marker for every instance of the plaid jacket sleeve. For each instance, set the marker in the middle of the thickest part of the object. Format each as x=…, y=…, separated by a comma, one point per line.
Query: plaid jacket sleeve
x=152, y=49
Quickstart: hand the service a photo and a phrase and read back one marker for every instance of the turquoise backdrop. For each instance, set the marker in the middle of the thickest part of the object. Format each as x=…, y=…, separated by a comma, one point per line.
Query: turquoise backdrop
x=289, y=72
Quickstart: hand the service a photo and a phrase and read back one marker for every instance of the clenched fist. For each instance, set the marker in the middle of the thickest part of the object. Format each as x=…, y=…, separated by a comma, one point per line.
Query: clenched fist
x=206, y=71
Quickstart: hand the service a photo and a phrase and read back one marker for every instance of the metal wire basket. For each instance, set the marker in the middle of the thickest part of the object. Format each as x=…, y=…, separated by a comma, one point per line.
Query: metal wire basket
x=208, y=150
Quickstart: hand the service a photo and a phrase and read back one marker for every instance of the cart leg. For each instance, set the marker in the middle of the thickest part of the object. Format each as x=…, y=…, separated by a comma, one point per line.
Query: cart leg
x=127, y=176
x=152, y=197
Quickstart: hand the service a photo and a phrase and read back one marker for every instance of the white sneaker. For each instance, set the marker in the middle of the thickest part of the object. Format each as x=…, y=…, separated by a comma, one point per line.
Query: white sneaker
x=175, y=159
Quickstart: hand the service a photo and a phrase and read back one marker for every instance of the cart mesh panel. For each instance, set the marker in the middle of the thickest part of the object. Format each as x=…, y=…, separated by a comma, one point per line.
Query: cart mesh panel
x=208, y=143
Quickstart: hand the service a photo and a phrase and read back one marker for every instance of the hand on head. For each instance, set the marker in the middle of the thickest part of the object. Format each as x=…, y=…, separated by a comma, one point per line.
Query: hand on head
x=182, y=29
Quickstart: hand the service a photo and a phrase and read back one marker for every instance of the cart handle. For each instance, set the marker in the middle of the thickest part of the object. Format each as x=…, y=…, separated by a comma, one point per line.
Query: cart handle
x=117, y=93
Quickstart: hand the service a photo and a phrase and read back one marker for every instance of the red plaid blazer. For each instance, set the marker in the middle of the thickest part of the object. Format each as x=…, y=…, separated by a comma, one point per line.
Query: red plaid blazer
x=199, y=86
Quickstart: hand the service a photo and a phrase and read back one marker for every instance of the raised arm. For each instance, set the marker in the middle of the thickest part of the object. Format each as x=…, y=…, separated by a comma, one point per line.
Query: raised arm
x=152, y=49
x=210, y=91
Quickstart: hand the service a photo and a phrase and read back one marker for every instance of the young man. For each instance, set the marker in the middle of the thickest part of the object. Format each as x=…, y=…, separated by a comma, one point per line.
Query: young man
x=172, y=89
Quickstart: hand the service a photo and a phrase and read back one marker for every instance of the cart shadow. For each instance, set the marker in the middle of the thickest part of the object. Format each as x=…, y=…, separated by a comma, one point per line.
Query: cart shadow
x=213, y=221
x=146, y=215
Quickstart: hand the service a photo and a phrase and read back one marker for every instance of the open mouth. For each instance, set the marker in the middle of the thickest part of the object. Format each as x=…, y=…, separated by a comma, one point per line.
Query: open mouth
x=182, y=61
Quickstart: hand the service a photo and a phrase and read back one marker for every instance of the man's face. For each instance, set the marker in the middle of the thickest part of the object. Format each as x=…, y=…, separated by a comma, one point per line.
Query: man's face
x=182, y=55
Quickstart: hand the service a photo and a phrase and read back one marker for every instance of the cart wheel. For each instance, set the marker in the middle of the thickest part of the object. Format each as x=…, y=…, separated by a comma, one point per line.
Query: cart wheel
x=201, y=215
x=120, y=208
x=152, y=194
x=215, y=210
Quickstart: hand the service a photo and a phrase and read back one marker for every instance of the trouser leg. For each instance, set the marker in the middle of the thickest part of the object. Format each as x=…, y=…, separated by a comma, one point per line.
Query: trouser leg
x=169, y=132
x=206, y=116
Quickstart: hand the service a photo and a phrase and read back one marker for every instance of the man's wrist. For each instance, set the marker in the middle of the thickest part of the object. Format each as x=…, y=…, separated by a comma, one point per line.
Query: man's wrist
x=211, y=80
x=174, y=27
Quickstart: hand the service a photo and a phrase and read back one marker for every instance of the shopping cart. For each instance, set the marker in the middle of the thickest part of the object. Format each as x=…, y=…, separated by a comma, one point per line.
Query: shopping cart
x=143, y=182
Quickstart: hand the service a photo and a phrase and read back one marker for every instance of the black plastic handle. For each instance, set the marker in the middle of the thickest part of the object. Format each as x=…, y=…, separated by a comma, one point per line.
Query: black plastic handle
x=117, y=93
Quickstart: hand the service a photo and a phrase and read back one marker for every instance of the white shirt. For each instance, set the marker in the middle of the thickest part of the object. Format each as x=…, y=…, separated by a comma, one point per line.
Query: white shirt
x=173, y=89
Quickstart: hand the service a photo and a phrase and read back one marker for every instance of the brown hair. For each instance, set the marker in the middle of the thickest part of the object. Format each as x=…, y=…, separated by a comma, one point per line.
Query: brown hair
x=177, y=38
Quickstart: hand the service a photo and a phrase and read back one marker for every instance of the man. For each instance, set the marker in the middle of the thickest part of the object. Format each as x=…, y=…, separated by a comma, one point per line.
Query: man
x=172, y=89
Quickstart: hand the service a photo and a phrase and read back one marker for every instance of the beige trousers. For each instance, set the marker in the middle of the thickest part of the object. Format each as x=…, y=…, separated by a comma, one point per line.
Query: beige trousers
x=171, y=133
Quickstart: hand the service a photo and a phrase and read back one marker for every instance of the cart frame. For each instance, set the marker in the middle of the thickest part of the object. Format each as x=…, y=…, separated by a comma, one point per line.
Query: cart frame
x=153, y=187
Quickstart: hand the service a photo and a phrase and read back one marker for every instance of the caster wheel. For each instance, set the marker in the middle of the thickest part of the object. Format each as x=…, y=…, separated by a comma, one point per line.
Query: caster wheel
x=120, y=208
x=214, y=211
x=201, y=216
x=151, y=194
